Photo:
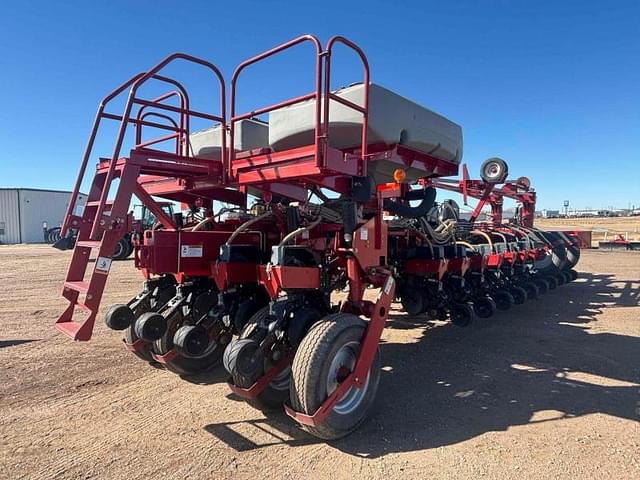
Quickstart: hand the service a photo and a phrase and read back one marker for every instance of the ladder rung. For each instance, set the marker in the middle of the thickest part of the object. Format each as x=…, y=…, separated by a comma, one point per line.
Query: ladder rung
x=89, y=243
x=70, y=329
x=95, y=203
x=80, y=286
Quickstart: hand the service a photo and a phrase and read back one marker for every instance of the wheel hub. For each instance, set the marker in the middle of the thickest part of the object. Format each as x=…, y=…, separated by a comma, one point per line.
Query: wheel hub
x=342, y=365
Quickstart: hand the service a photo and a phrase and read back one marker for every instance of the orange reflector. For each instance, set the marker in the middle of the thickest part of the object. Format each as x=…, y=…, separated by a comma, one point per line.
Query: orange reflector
x=399, y=175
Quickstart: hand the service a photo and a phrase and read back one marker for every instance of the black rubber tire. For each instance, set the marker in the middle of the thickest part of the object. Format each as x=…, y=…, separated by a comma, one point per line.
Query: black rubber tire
x=484, y=307
x=180, y=364
x=574, y=274
x=542, y=284
x=573, y=256
x=122, y=249
x=145, y=352
x=412, y=301
x=275, y=394
x=494, y=170
x=310, y=373
x=519, y=295
x=504, y=300
x=462, y=314
x=532, y=290
x=119, y=317
x=568, y=278
x=552, y=281
x=559, y=278
x=559, y=257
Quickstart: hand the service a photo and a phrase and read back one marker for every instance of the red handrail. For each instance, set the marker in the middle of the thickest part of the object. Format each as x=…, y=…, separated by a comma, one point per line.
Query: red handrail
x=181, y=131
x=317, y=94
x=322, y=96
x=131, y=99
x=100, y=114
x=328, y=96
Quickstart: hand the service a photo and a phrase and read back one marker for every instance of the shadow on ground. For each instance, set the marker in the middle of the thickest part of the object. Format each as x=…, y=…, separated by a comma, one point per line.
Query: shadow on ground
x=13, y=343
x=454, y=384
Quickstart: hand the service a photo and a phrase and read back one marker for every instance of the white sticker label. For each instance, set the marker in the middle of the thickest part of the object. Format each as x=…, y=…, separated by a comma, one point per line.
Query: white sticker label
x=191, y=251
x=388, y=284
x=103, y=264
x=364, y=234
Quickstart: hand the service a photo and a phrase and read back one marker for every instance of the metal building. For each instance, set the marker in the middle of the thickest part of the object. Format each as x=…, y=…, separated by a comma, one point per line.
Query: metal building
x=25, y=211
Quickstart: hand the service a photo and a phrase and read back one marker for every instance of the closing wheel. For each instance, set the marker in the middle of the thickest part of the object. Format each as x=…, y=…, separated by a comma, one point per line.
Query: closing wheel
x=519, y=295
x=504, y=300
x=325, y=358
x=552, y=281
x=119, y=317
x=484, y=307
x=494, y=170
x=532, y=290
x=185, y=363
x=542, y=284
x=239, y=360
x=462, y=314
x=143, y=353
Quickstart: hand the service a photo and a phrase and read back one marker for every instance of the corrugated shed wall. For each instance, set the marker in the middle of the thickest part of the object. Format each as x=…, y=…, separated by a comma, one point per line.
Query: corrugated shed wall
x=37, y=207
x=9, y=220
x=23, y=211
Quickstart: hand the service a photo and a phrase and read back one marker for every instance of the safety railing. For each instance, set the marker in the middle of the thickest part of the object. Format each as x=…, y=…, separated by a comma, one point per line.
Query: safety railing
x=316, y=94
x=180, y=130
x=328, y=96
x=322, y=96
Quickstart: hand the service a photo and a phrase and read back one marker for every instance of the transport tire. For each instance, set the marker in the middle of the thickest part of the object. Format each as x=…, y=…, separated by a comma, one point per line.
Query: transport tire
x=241, y=350
x=504, y=300
x=484, y=307
x=326, y=356
x=494, y=170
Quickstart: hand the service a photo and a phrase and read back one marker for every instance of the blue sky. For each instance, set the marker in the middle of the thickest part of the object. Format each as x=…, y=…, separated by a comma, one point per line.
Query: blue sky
x=552, y=87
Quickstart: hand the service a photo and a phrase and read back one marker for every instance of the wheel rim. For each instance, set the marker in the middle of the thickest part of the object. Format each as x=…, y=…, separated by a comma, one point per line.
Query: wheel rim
x=341, y=366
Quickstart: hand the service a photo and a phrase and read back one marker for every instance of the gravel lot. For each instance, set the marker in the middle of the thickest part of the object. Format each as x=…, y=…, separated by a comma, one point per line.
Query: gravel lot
x=547, y=390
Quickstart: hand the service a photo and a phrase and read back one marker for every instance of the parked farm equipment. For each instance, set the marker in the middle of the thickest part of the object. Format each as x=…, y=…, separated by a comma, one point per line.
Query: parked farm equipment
x=343, y=184
x=124, y=248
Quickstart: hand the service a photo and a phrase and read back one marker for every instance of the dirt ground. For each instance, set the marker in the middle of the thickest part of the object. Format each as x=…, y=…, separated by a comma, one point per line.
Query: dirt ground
x=547, y=390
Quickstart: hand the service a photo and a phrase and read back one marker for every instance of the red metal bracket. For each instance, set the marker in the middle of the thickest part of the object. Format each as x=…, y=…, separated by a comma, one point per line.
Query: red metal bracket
x=256, y=389
x=357, y=378
x=135, y=346
x=166, y=358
